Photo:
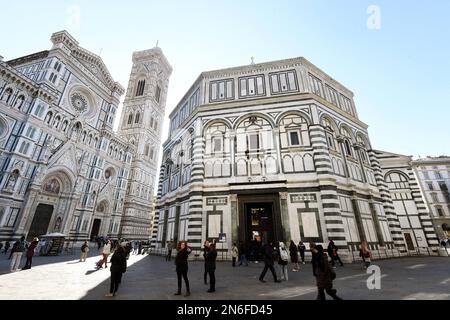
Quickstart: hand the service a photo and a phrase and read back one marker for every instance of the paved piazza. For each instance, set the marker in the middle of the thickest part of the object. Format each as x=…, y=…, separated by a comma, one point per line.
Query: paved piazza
x=151, y=277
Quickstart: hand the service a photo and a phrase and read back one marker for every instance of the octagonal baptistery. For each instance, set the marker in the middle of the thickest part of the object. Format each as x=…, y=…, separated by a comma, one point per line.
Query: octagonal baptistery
x=272, y=152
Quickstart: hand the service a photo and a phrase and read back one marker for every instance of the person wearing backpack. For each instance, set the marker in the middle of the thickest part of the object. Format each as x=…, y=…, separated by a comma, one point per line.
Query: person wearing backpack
x=17, y=251
x=323, y=273
x=283, y=261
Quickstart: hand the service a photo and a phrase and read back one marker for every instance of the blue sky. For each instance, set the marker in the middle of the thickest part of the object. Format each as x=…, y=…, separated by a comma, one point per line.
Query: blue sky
x=398, y=73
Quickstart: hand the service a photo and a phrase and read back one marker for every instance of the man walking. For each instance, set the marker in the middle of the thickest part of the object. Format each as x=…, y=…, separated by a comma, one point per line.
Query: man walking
x=268, y=263
x=17, y=251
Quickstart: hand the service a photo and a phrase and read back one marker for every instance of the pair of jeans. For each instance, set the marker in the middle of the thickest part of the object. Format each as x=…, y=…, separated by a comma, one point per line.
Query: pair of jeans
x=243, y=260
x=186, y=280
x=212, y=280
x=263, y=273
x=116, y=278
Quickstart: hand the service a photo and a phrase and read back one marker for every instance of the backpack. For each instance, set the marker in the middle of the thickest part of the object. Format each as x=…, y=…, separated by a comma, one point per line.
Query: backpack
x=284, y=255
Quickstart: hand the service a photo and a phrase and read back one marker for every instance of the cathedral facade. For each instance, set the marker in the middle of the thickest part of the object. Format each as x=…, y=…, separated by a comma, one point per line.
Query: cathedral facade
x=275, y=152
x=63, y=167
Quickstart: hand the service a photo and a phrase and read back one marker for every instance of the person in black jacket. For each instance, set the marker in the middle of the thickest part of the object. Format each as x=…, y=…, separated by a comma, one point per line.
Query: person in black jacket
x=332, y=253
x=210, y=265
x=323, y=273
x=181, y=264
x=268, y=262
x=118, y=267
x=205, y=252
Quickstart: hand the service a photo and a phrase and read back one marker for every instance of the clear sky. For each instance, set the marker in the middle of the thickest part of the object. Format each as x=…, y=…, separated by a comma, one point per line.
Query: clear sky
x=396, y=62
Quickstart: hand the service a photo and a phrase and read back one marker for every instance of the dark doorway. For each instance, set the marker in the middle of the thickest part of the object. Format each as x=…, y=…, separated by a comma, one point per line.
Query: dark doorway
x=259, y=222
x=41, y=220
x=409, y=241
x=95, y=228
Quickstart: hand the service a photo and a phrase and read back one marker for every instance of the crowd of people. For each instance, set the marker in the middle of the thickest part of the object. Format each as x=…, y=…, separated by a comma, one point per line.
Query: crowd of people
x=276, y=258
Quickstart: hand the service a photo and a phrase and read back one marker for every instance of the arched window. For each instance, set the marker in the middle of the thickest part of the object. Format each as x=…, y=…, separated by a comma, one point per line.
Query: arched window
x=348, y=148
x=140, y=88
x=64, y=126
x=136, y=119
x=48, y=117
x=57, y=120
x=7, y=95
x=130, y=118
x=329, y=133
x=19, y=102
x=146, y=150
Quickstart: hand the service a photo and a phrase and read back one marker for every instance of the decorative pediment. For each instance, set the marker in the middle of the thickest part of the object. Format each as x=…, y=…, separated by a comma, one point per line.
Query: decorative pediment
x=65, y=156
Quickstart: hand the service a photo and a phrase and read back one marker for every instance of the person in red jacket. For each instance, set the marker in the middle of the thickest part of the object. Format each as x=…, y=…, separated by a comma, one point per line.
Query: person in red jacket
x=30, y=253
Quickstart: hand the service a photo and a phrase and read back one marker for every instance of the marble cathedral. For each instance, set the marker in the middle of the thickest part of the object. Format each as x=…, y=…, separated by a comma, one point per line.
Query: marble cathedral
x=62, y=166
x=276, y=151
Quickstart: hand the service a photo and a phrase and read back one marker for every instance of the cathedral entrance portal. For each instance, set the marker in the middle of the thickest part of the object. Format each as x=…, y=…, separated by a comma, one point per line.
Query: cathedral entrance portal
x=95, y=228
x=259, y=218
x=41, y=220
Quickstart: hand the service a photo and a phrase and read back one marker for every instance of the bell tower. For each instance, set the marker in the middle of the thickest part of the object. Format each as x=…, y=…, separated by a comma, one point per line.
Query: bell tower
x=141, y=125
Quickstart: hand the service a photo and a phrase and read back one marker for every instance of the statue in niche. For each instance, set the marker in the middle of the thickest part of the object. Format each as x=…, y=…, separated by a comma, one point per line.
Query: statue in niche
x=12, y=180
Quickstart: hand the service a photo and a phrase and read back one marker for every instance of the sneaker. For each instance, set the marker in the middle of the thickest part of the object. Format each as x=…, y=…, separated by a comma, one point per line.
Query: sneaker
x=109, y=295
x=262, y=280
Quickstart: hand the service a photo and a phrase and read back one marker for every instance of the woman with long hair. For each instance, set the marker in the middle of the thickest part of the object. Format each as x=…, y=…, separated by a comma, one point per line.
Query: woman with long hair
x=181, y=264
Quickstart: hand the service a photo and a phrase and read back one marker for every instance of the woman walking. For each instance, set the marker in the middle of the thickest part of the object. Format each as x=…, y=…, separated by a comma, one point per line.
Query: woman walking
x=181, y=264
x=283, y=261
x=30, y=253
x=234, y=254
x=294, y=255
x=365, y=254
x=323, y=273
x=118, y=268
x=210, y=264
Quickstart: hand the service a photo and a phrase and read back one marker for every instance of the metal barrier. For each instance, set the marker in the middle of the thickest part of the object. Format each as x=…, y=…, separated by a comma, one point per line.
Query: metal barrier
x=386, y=253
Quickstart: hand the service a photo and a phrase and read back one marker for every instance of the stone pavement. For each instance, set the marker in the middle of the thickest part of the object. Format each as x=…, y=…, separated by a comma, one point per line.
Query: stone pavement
x=151, y=277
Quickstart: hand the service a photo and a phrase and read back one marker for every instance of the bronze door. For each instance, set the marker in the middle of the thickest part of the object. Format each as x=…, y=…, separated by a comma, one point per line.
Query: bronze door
x=41, y=220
